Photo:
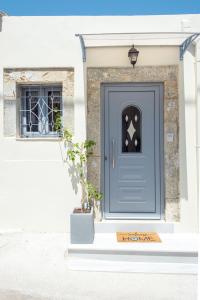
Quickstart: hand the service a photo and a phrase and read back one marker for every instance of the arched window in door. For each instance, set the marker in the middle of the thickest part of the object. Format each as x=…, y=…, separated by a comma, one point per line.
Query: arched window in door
x=131, y=129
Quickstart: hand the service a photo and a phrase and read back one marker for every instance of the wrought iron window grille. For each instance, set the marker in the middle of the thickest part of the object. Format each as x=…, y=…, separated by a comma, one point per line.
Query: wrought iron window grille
x=40, y=111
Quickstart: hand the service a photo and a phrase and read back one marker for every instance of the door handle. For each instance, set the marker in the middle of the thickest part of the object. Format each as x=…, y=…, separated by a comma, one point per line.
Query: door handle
x=113, y=153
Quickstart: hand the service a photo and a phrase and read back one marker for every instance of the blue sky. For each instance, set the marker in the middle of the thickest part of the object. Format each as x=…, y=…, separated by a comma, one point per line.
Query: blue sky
x=99, y=7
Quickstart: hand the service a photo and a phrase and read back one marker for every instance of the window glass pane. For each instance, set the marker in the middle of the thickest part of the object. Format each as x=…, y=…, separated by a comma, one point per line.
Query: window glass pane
x=131, y=129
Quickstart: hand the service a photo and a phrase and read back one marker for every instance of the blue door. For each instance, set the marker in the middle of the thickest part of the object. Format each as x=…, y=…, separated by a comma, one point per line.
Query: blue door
x=133, y=138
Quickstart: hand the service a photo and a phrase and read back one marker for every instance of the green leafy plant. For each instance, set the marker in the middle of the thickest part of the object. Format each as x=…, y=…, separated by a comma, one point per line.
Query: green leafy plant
x=93, y=193
x=77, y=155
x=58, y=121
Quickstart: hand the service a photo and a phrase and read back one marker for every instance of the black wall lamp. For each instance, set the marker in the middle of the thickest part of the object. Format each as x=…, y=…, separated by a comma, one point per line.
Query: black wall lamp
x=133, y=55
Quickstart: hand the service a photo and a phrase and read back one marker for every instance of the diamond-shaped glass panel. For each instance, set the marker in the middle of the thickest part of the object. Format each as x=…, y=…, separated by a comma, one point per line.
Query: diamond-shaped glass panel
x=131, y=129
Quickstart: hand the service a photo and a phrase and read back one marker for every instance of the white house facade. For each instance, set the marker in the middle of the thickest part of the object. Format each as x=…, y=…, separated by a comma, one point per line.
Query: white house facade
x=144, y=120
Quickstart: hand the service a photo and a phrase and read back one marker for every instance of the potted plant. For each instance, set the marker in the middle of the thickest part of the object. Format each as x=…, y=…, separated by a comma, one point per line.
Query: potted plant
x=82, y=218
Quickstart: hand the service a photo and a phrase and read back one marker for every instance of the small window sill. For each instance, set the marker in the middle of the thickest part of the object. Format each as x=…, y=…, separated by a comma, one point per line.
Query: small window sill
x=39, y=139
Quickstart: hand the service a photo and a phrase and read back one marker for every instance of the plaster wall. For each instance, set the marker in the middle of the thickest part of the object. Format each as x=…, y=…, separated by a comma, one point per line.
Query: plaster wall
x=118, y=56
x=35, y=189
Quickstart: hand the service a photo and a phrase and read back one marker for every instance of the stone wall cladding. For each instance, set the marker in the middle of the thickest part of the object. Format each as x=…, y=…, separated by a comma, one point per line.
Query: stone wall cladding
x=168, y=75
x=13, y=78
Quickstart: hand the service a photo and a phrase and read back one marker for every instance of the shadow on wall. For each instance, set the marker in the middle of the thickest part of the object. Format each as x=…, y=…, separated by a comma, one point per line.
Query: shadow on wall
x=183, y=155
x=191, y=49
x=189, y=103
x=74, y=175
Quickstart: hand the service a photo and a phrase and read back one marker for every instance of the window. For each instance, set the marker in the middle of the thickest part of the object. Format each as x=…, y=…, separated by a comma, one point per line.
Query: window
x=40, y=109
x=131, y=129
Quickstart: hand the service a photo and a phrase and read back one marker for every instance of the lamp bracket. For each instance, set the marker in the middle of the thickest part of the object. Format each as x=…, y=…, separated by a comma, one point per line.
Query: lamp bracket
x=184, y=46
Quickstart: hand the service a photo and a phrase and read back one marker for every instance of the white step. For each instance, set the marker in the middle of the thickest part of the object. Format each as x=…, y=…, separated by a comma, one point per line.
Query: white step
x=177, y=253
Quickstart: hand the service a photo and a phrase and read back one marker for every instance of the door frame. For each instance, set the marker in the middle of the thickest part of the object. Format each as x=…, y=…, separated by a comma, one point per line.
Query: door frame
x=134, y=216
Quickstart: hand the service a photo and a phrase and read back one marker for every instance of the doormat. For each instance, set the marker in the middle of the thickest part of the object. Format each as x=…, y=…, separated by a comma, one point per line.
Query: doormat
x=138, y=237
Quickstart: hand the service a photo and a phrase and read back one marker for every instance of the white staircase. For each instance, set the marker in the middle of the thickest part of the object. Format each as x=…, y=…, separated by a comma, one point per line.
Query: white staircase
x=177, y=253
